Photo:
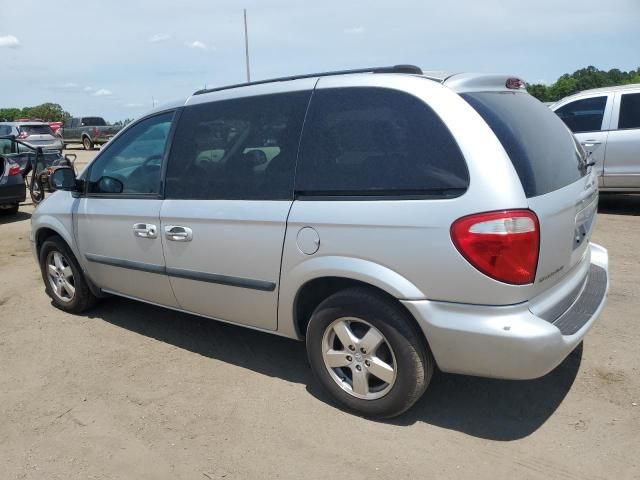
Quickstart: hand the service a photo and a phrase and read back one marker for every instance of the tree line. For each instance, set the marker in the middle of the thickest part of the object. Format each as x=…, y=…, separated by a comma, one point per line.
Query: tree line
x=47, y=112
x=580, y=80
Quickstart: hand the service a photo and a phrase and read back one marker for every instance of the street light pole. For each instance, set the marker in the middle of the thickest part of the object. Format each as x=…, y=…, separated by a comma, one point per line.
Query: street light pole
x=246, y=45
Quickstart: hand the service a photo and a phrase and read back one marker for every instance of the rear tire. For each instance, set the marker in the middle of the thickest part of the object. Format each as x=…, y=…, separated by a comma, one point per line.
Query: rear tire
x=87, y=143
x=383, y=381
x=36, y=191
x=63, y=278
x=12, y=210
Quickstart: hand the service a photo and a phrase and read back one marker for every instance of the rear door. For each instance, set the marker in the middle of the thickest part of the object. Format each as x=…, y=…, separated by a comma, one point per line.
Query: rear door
x=622, y=164
x=588, y=118
x=559, y=187
x=118, y=221
x=229, y=189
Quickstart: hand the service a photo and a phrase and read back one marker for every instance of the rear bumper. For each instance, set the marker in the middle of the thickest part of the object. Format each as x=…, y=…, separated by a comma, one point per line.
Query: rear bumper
x=10, y=194
x=510, y=342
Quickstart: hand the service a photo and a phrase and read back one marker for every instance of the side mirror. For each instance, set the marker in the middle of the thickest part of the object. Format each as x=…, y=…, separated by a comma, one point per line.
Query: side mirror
x=63, y=178
x=110, y=185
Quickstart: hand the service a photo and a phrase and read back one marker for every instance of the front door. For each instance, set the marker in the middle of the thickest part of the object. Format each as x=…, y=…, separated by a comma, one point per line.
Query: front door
x=588, y=118
x=229, y=189
x=622, y=165
x=118, y=221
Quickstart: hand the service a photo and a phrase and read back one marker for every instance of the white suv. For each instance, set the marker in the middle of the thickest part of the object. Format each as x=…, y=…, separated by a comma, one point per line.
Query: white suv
x=395, y=220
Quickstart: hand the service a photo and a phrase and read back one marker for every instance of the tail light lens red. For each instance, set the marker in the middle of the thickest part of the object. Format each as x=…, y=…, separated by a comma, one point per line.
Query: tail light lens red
x=502, y=245
x=14, y=170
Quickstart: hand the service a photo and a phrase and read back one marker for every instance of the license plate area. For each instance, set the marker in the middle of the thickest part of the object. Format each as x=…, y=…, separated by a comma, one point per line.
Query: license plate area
x=584, y=224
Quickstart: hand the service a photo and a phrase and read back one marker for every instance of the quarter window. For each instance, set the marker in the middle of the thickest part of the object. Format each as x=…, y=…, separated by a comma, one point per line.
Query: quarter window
x=134, y=159
x=240, y=149
x=364, y=141
x=583, y=115
x=629, y=111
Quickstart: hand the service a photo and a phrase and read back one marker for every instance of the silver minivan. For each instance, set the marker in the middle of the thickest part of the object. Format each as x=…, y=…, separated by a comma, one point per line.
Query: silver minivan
x=606, y=121
x=396, y=220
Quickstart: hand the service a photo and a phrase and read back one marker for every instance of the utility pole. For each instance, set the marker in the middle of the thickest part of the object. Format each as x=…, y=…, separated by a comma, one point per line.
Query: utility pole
x=246, y=45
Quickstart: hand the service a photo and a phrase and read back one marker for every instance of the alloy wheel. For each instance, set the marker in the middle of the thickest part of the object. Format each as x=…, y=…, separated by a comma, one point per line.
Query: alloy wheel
x=359, y=358
x=60, y=276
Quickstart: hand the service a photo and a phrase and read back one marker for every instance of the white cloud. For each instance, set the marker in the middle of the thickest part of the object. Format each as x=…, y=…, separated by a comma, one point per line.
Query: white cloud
x=132, y=105
x=70, y=85
x=196, y=44
x=9, y=41
x=159, y=37
x=354, y=30
x=102, y=92
x=88, y=89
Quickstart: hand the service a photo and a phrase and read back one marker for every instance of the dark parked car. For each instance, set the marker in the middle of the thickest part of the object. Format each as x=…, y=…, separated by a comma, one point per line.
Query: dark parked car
x=89, y=131
x=12, y=190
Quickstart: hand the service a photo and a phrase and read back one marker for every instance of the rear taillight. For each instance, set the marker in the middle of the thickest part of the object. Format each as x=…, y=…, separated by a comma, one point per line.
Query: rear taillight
x=14, y=170
x=503, y=245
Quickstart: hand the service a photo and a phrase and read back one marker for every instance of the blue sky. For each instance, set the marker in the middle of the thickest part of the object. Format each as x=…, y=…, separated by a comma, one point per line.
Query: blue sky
x=111, y=58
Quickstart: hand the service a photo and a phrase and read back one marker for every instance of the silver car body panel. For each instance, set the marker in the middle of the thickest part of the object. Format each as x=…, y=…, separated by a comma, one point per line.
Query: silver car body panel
x=231, y=267
x=244, y=263
x=114, y=257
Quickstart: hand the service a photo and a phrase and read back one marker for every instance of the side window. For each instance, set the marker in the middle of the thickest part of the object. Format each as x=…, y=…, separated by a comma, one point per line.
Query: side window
x=629, y=111
x=376, y=141
x=134, y=159
x=5, y=146
x=244, y=148
x=583, y=115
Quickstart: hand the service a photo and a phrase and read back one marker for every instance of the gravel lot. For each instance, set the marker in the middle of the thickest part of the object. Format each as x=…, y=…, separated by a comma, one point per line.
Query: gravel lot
x=132, y=391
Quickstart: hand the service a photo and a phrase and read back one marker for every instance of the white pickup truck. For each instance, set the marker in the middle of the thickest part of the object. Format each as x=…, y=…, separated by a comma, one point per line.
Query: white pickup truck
x=606, y=121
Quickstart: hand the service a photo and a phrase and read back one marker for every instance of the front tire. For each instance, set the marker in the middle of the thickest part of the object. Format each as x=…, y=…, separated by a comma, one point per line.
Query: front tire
x=368, y=354
x=63, y=278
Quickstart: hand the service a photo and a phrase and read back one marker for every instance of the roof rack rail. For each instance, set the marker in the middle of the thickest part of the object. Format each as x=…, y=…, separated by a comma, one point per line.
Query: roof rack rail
x=412, y=69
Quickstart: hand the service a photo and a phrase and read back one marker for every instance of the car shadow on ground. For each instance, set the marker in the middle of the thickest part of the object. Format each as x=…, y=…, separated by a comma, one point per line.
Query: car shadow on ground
x=18, y=217
x=616, y=204
x=493, y=409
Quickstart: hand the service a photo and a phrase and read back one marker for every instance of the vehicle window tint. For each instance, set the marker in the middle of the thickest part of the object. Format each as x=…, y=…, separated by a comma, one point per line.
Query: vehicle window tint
x=583, y=115
x=237, y=149
x=134, y=158
x=5, y=146
x=629, y=111
x=36, y=129
x=377, y=141
x=542, y=150
x=93, y=121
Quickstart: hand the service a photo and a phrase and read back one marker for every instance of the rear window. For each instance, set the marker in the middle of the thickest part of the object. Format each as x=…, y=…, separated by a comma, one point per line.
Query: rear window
x=36, y=129
x=365, y=141
x=541, y=148
x=630, y=111
x=93, y=122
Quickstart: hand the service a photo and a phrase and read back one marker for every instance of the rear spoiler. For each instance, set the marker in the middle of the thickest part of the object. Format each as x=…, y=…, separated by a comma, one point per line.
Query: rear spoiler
x=474, y=82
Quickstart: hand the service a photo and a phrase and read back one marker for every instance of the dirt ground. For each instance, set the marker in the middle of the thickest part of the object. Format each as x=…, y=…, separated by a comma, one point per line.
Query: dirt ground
x=131, y=391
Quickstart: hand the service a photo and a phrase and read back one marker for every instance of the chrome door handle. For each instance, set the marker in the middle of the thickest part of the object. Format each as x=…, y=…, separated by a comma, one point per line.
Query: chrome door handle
x=590, y=143
x=145, y=230
x=178, y=233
